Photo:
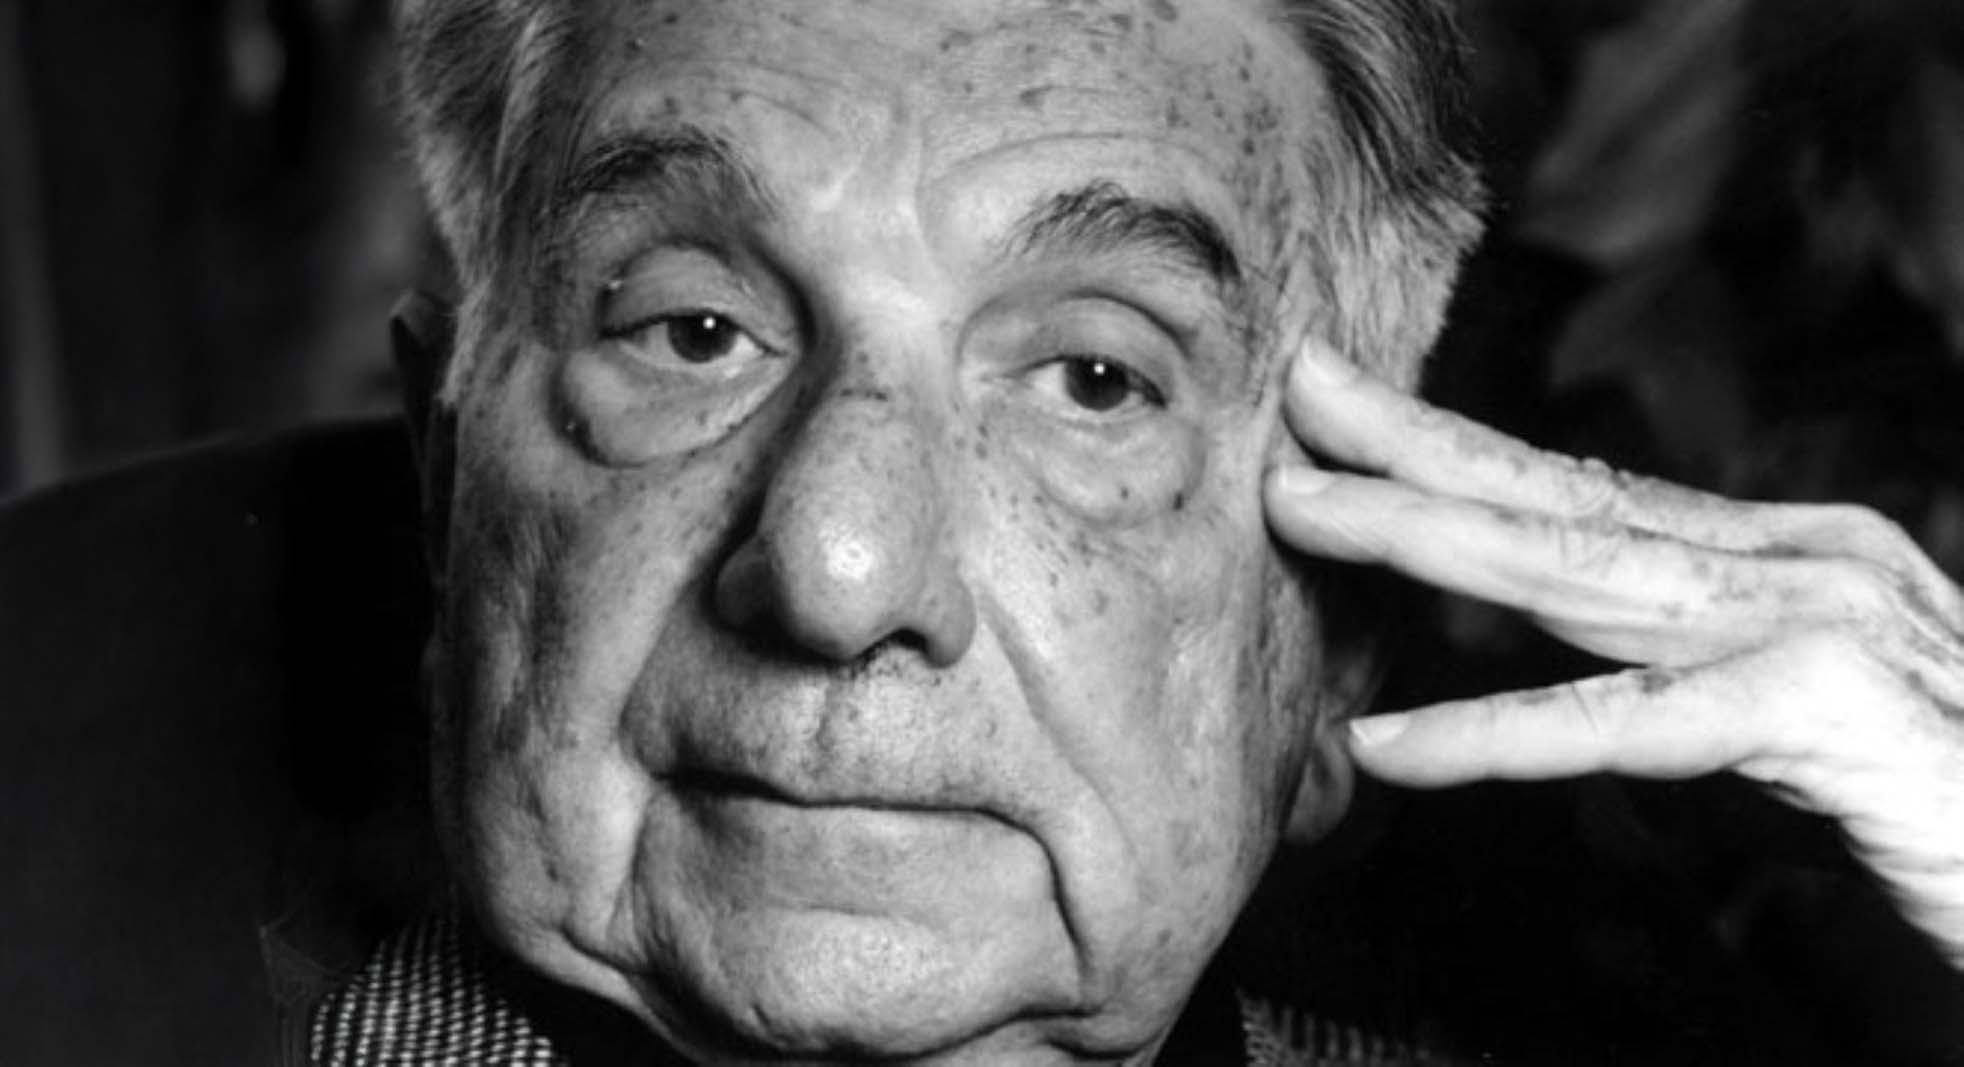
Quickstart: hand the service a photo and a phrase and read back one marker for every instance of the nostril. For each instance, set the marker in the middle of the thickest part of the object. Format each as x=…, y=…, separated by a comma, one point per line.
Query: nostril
x=853, y=603
x=946, y=618
x=806, y=603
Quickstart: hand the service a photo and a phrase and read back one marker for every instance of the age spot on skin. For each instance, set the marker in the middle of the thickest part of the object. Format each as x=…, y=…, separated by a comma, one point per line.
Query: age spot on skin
x=1165, y=10
x=1652, y=682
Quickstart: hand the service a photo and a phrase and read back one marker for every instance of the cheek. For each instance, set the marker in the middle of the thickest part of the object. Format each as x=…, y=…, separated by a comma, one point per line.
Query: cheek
x=1279, y=660
x=564, y=577
x=1137, y=576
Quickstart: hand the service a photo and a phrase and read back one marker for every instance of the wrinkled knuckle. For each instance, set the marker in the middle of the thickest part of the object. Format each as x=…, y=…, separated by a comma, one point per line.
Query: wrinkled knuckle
x=1585, y=548
x=1594, y=713
x=1599, y=490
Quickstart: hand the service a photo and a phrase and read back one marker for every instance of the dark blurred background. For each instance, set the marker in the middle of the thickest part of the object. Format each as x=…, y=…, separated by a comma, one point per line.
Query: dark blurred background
x=1726, y=247
x=204, y=219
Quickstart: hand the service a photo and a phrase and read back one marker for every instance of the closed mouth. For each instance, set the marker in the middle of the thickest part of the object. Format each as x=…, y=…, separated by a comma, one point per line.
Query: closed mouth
x=734, y=785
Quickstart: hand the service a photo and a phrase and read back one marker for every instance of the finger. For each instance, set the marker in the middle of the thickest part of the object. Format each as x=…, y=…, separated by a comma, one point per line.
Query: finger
x=1338, y=410
x=1862, y=533
x=1809, y=714
x=1652, y=723
x=1821, y=718
x=1594, y=726
x=1345, y=415
x=1617, y=591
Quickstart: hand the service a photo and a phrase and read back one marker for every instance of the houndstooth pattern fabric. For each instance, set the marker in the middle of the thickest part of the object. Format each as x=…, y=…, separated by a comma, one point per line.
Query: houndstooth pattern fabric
x=424, y=998
x=1275, y=1036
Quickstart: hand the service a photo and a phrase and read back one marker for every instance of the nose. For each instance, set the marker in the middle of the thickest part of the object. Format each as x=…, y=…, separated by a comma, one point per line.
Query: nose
x=851, y=548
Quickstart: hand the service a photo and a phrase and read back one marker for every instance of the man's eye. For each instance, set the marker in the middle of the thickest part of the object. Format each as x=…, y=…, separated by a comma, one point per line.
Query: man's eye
x=693, y=337
x=1098, y=385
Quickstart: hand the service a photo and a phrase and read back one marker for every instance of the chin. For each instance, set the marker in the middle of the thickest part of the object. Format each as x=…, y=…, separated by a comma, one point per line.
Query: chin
x=835, y=986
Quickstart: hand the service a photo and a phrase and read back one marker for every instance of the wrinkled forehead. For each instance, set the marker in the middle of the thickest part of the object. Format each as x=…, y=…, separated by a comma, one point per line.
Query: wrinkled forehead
x=1207, y=100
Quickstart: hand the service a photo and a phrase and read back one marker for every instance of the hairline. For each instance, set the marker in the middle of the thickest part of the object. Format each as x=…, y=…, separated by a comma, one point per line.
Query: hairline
x=1361, y=181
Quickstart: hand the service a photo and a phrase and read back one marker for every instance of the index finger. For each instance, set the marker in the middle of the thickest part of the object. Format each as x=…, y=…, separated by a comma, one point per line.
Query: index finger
x=1344, y=414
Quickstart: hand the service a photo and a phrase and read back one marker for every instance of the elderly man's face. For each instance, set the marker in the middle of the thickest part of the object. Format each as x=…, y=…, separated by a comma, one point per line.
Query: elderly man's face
x=862, y=635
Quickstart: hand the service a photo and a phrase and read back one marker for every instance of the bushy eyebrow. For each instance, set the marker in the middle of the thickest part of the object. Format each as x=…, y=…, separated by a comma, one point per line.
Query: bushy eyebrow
x=691, y=169
x=1103, y=219
x=682, y=165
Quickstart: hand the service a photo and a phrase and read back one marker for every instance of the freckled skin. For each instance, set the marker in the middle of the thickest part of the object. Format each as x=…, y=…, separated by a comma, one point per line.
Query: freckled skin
x=874, y=700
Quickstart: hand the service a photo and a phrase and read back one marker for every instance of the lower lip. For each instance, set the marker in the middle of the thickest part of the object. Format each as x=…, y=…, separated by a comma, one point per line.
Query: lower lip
x=857, y=858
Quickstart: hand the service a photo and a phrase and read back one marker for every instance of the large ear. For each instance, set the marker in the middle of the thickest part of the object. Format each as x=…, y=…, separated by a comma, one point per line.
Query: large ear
x=422, y=331
x=1357, y=607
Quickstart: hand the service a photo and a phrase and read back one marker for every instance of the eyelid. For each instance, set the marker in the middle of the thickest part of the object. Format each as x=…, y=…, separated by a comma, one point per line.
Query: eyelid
x=1172, y=301
x=1100, y=328
x=713, y=285
x=648, y=322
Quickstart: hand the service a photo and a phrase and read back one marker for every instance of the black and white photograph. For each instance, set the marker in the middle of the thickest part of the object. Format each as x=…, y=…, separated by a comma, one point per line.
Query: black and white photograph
x=1144, y=533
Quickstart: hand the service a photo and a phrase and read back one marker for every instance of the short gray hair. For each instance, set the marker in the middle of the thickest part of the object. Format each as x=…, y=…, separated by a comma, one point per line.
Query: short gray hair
x=475, y=80
x=1403, y=200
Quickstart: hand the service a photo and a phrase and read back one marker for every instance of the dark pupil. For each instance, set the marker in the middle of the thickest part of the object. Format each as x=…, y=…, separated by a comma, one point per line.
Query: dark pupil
x=1097, y=385
x=701, y=338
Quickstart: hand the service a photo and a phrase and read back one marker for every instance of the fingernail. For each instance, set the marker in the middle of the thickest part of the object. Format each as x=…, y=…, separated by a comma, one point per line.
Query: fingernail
x=1376, y=730
x=1323, y=366
x=1300, y=480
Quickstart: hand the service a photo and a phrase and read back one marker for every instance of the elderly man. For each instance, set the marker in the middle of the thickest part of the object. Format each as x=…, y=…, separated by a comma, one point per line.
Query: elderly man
x=885, y=598
x=862, y=634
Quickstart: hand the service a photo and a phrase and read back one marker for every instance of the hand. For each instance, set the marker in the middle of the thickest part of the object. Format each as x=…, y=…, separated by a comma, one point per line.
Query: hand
x=1815, y=649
